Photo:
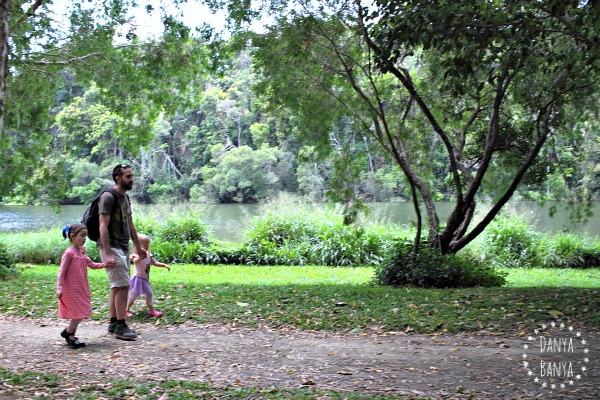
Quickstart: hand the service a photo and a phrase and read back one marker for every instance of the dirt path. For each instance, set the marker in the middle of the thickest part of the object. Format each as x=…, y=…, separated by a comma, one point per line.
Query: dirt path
x=446, y=366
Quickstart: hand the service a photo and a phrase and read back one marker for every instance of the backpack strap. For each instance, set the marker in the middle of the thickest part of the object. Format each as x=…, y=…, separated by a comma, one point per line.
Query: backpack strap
x=115, y=205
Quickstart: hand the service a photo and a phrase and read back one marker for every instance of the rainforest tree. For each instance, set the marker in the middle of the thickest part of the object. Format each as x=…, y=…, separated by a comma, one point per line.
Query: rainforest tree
x=486, y=86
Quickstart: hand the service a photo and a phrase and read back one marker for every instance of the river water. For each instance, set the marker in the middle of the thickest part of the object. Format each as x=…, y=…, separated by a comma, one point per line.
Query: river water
x=229, y=221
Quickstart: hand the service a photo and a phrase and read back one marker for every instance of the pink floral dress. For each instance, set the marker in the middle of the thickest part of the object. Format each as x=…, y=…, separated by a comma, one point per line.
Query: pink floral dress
x=72, y=282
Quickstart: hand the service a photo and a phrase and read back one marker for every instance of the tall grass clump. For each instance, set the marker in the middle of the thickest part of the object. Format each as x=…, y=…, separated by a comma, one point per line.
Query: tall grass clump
x=567, y=250
x=430, y=269
x=318, y=237
x=183, y=228
x=509, y=242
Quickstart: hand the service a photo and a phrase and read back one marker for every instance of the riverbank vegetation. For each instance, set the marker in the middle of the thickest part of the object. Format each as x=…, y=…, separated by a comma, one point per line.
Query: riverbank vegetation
x=297, y=234
x=300, y=236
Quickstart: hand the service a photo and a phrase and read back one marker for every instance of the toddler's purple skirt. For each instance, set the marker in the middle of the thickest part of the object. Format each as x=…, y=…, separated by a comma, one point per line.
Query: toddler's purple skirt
x=139, y=286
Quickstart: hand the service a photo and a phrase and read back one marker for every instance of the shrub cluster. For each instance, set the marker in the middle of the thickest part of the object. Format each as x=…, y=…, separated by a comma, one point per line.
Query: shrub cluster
x=7, y=265
x=566, y=250
x=430, y=269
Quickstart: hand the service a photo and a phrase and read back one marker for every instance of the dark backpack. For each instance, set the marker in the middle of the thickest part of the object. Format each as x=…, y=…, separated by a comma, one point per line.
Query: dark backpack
x=91, y=218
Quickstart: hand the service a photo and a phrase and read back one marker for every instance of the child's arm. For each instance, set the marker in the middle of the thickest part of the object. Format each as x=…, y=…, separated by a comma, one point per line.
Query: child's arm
x=65, y=260
x=159, y=264
x=135, y=258
x=94, y=265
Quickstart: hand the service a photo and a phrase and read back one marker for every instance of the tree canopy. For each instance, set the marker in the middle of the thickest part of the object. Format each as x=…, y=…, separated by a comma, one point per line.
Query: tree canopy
x=484, y=84
x=91, y=43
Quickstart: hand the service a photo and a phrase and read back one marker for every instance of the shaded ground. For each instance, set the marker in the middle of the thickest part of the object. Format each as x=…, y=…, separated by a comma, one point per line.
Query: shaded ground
x=480, y=366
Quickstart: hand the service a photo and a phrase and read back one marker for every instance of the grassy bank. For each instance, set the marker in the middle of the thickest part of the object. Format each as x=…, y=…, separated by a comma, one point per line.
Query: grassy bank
x=323, y=298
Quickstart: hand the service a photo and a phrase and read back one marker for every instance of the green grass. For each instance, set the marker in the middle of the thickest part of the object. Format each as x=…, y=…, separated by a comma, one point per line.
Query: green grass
x=33, y=384
x=553, y=277
x=323, y=298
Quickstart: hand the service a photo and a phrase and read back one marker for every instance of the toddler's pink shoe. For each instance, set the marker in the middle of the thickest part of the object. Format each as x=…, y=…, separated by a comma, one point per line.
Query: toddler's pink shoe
x=128, y=314
x=154, y=314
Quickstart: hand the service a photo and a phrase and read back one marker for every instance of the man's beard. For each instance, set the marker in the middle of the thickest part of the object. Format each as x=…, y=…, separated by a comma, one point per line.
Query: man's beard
x=126, y=186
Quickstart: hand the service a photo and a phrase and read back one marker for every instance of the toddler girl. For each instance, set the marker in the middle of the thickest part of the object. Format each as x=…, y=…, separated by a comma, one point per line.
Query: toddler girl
x=140, y=281
x=72, y=286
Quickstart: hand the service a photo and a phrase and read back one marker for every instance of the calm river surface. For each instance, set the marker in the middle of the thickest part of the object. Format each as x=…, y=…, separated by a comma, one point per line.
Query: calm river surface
x=229, y=221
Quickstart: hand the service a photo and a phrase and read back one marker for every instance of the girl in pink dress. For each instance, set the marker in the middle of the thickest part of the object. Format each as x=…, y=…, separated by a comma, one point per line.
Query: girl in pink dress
x=72, y=286
x=140, y=281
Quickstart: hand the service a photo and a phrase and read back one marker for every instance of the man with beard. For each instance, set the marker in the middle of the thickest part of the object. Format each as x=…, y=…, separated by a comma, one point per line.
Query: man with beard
x=116, y=228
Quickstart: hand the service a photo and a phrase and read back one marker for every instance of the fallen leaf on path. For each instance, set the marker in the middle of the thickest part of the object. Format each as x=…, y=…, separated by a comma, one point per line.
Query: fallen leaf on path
x=345, y=373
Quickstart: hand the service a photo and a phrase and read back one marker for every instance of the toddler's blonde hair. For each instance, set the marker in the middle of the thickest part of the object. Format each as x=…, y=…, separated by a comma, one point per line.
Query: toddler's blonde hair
x=144, y=242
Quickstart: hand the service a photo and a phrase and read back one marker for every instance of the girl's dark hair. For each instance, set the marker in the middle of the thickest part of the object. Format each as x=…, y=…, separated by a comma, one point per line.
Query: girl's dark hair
x=73, y=229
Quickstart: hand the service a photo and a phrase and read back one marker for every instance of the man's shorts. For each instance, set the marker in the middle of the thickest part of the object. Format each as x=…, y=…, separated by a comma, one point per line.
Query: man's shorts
x=120, y=274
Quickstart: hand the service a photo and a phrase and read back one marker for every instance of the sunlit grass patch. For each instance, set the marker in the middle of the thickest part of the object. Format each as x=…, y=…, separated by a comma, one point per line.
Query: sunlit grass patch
x=270, y=276
x=553, y=277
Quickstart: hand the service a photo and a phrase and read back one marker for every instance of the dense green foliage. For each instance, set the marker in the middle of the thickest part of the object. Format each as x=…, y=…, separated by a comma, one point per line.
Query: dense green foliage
x=320, y=237
x=7, y=266
x=81, y=84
